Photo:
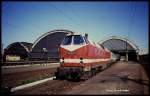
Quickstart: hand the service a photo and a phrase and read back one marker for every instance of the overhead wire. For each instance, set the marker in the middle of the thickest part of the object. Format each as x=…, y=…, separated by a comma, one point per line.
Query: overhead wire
x=132, y=15
x=15, y=26
x=19, y=26
x=68, y=17
x=131, y=21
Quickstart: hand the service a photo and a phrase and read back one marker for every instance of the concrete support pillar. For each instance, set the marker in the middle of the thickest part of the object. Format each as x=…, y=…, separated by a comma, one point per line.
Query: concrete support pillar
x=126, y=56
x=137, y=57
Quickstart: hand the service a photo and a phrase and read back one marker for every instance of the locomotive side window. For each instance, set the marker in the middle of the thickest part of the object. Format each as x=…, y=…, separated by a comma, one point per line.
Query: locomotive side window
x=78, y=39
x=67, y=40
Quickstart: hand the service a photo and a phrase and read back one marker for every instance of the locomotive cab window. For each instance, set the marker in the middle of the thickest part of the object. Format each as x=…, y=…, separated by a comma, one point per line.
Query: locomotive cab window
x=78, y=39
x=67, y=40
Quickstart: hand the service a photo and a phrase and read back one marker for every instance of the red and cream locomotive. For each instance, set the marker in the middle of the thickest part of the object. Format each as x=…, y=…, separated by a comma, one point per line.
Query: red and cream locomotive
x=80, y=58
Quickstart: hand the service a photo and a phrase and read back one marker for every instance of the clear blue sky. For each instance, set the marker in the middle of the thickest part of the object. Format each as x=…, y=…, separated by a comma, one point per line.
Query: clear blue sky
x=26, y=21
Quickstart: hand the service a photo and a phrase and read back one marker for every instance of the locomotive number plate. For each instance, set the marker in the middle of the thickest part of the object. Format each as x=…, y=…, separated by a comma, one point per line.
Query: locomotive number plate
x=71, y=53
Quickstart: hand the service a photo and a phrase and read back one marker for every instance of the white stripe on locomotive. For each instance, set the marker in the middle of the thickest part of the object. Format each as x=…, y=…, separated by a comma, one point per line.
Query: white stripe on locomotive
x=84, y=60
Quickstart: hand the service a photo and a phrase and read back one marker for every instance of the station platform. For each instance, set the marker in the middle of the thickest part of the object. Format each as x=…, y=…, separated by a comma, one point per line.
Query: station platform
x=122, y=78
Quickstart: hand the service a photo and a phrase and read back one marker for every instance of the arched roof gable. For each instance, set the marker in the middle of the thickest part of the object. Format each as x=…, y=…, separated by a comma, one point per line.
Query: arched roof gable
x=50, y=33
x=131, y=43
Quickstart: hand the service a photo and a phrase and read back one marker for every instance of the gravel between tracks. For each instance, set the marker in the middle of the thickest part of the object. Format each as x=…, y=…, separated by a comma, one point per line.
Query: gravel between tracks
x=49, y=88
x=20, y=78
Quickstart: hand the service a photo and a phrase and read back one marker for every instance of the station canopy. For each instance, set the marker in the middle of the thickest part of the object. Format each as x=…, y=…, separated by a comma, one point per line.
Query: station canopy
x=120, y=46
x=21, y=49
x=46, y=47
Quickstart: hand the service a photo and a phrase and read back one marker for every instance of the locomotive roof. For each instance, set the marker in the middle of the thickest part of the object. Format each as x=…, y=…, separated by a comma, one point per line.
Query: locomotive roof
x=74, y=34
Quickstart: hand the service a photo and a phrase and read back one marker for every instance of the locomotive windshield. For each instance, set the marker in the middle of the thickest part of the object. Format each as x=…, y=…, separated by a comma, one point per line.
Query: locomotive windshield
x=67, y=40
x=78, y=39
x=73, y=39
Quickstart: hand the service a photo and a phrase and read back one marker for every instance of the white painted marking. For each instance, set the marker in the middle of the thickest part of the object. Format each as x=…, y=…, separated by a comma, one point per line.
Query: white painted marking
x=15, y=66
x=26, y=65
x=31, y=84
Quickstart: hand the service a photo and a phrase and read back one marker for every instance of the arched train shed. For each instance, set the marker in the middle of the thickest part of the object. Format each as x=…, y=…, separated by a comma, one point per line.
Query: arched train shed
x=46, y=47
x=17, y=49
x=121, y=46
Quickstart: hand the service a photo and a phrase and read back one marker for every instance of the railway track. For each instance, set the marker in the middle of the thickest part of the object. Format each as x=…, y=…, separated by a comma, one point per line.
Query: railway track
x=20, y=76
x=50, y=87
x=60, y=87
x=12, y=77
x=26, y=62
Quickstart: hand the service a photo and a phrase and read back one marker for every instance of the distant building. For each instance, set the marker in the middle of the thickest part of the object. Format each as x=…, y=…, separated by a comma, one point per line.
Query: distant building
x=17, y=51
x=12, y=58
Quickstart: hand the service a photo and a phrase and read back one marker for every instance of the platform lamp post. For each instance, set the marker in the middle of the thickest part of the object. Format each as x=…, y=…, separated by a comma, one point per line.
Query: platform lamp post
x=45, y=52
x=137, y=53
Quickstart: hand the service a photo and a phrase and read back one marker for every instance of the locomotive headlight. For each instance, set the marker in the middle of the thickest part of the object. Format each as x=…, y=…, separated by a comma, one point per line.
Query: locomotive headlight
x=62, y=60
x=81, y=60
